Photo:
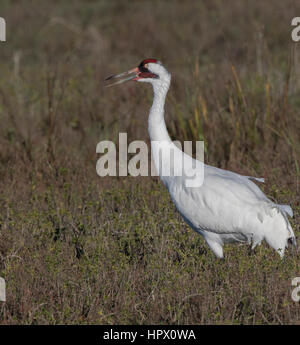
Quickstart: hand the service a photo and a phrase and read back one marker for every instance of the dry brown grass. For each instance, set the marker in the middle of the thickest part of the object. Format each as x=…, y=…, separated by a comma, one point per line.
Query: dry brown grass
x=77, y=248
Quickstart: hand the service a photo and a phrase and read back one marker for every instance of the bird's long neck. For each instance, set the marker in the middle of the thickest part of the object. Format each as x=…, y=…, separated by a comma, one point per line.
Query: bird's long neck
x=156, y=121
x=160, y=140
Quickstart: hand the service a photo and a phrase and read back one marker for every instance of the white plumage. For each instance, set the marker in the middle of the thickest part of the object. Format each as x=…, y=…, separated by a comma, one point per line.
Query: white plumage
x=227, y=207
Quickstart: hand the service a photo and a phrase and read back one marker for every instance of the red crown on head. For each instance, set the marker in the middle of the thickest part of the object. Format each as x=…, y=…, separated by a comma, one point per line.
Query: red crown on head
x=144, y=62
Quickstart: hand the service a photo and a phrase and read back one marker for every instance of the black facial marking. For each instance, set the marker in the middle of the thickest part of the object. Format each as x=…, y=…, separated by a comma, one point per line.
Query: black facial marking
x=142, y=68
x=145, y=71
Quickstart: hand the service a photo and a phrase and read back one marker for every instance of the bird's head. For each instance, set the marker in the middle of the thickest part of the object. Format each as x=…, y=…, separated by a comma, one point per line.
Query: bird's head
x=149, y=71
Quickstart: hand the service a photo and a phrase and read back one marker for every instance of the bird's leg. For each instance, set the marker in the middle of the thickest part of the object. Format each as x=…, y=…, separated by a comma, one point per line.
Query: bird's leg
x=255, y=241
x=252, y=246
x=215, y=247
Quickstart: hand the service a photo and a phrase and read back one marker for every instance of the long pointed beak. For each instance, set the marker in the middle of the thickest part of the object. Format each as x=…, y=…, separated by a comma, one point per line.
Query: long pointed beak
x=129, y=75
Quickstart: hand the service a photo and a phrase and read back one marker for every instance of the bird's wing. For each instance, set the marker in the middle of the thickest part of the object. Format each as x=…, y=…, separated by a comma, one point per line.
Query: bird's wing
x=251, y=189
x=235, y=184
x=226, y=173
x=225, y=203
x=258, y=179
x=286, y=209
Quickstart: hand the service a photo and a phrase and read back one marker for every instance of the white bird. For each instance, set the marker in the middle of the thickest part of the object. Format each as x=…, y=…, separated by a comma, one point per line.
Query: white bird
x=224, y=207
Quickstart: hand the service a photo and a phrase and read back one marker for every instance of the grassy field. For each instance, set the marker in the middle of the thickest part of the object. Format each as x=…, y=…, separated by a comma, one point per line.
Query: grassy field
x=77, y=248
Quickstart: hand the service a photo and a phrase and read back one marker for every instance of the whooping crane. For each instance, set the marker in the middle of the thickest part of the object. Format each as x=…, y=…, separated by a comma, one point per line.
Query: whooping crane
x=227, y=207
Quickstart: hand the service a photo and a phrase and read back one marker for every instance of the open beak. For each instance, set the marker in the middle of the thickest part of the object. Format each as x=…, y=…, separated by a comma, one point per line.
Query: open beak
x=121, y=78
